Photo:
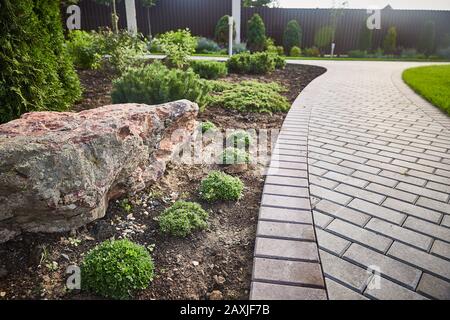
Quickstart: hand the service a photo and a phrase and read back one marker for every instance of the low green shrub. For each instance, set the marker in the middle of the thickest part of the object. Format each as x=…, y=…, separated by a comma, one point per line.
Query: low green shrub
x=114, y=269
x=280, y=63
x=251, y=96
x=221, y=186
x=178, y=46
x=312, y=52
x=357, y=54
x=182, y=218
x=233, y=155
x=155, y=83
x=205, y=45
x=84, y=49
x=209, y=69
x=256, y=63
x=207, y=126
x=295, y=52
x=239, y=138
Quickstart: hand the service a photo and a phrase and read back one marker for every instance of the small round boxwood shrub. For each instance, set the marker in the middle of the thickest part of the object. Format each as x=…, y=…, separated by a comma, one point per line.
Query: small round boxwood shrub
x=182, y=218
x=155, y=83
x=295, y=52
x=114, y=269
x=209, y=69
x=221, y=186
x=239, y=138
x=233, y=155
x=207, y=126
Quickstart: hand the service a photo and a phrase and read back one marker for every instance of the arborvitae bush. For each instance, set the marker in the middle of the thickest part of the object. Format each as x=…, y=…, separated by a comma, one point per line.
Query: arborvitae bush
x=428, y=38
x=292, y=36
x=209, y=69
x=115, y=269
x=295, y=52
x=36, y=73
x=365, y=38
x=182, y=218
x=256, y=34
x=232, y=155
x=178, y=46
x=390, y=41
x=221, y=186
x=155, y=83
x=84, y=49
x=221, y=33
x=240, y=139
x=323, y=38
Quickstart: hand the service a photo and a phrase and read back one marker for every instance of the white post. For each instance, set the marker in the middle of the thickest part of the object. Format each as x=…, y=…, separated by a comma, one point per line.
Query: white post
x=230, y=35
x=333, y=46
x=236, y=13
x=130, y=8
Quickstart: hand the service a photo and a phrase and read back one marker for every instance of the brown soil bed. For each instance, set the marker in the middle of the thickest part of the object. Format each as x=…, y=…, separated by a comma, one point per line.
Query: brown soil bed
x=219, y=258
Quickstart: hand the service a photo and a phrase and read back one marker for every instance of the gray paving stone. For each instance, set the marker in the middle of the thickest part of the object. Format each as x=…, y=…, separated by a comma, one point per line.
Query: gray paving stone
x=322, y=182
x=337, y=291
x=285, y=202
x=323, y=193
x=446, y=221
x=377, y=211
x=360, y=193
x=292, y=231
x=420, y=259
x=331, y=242
x=389, y=290
x=287, y=181
x=287, y=172
x=281, y=214
x=433, y=204
x=440, y=196
x=289, y=165
x=360, y=235
x=391, y=268
x=361, y=167
x=441, y=248
x=398, y=233
x=375, y=178
x=321, y=220
x=343, y=271
x=434, y=287
x=287, y=249
x=342, y=212
x=394, y=193
x=413, y=210
x=429, y=228
x=346, y=179
x=286, y=190
x=269, y=291
x=288, y=272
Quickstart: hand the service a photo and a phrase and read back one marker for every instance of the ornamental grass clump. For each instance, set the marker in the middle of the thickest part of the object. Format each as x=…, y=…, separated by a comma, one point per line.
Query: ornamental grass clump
x=232, y=156
x=221, y=186
x=116, y=268
x=182, y=218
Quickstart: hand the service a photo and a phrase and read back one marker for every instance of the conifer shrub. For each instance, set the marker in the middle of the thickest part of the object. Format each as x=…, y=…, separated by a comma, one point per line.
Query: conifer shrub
x=209, y=69
x=183, y=218
x=256, y=34
x=221, y=186
x=292, y=36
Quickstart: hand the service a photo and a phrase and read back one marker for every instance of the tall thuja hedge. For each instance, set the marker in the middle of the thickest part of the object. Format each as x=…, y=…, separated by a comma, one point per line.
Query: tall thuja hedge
x=256, y=34
x=390, y=41
x=35, y=71
x=292, y=36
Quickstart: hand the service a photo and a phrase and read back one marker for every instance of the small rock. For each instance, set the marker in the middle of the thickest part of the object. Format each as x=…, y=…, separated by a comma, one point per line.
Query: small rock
x=215, y=295
x=65, y=256
x=195, y=263
x=2, y=294
x=219, y=280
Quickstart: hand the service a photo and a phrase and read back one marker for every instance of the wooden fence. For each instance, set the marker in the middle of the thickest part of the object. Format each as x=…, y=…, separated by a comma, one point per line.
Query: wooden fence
x=201, y=16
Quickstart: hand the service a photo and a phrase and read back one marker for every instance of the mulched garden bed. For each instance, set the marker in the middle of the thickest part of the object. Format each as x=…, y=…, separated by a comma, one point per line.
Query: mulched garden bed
x=218, y=259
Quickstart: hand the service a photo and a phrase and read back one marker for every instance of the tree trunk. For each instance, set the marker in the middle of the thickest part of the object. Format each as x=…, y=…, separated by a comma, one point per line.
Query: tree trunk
x=115, y=18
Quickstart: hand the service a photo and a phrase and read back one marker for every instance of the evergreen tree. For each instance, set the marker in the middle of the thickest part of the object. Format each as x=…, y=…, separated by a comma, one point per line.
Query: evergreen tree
x=428, y=38
x=365, y=38
x=292, y=36
x=390, y=41
x=221, y=33
x=256, y=34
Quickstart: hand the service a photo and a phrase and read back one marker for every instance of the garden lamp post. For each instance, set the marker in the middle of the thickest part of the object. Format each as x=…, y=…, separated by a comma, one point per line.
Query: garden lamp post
x=230, y=35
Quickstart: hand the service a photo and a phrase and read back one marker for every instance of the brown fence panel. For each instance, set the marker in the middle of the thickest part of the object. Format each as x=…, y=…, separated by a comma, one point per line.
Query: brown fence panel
x=201, y=17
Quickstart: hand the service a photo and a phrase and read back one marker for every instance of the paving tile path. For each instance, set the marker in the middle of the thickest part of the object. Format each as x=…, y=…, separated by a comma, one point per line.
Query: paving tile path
x=357, y=201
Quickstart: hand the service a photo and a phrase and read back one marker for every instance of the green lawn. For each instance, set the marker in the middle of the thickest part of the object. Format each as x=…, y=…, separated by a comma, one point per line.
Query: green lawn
x=432, y=83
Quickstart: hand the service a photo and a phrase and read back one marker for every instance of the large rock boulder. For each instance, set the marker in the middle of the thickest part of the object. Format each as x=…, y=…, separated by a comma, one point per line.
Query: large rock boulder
x=58, y=170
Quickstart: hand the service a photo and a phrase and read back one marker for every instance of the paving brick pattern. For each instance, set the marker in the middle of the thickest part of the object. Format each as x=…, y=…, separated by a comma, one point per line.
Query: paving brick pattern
x=377, y=184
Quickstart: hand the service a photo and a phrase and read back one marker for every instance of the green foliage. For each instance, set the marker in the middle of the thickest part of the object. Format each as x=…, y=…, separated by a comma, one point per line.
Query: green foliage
x=182, y=218
x=256, y=63
x=114, y=269
x=209, y=69
x=207, y=126
x=323, y=37
x=221, y=186
x=36, y=73
x=239, y=139
x=292, y=36
x=252, y=96
x=295, y=52
x=427, y=40
x=84, y=49
x=155, y=83
x=365, y=38
x=205, y=45
x=126, y=205
x=390, y=41
x=312, y=52
x=221, y=33
x=431, y=82
x=256, y=34
x=239, y=48
x=178, y=46
x=233, y=155
x=357, y=54
x=257, y=3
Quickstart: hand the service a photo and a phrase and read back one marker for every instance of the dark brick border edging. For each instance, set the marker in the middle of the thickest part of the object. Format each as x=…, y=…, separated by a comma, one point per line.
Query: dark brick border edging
x=286, y=262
